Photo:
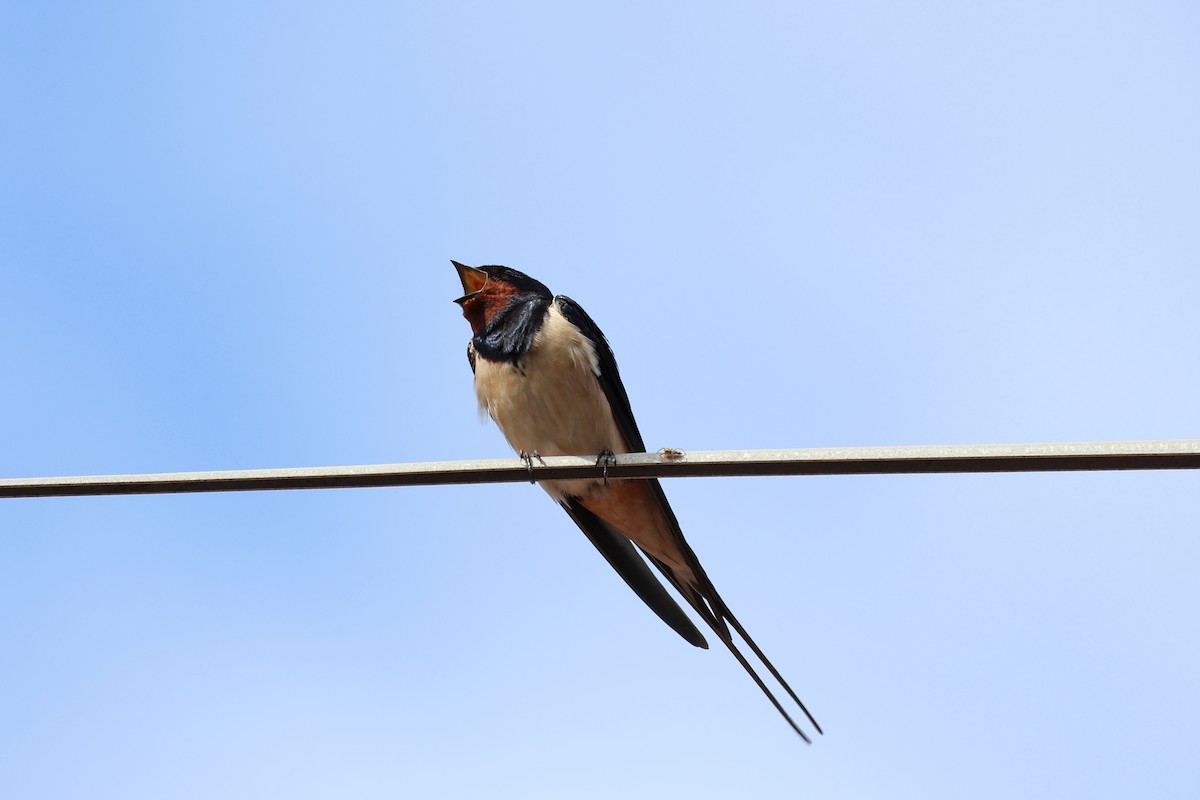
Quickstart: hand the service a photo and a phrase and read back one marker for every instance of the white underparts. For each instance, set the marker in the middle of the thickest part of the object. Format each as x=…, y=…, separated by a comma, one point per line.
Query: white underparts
x=551, y=402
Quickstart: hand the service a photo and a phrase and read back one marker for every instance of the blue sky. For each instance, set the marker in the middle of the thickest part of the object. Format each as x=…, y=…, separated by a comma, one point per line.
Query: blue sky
x=224, y=234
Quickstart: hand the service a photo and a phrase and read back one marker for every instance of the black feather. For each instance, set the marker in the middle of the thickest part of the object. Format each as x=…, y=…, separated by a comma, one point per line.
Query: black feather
x=623, y=556
x=610, y=376
x=703, y=596
x=519, y=280
x=509, y=334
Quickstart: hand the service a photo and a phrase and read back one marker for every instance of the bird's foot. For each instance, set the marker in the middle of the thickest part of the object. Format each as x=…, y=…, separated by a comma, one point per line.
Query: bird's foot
x=528, y=459
x=606, y=459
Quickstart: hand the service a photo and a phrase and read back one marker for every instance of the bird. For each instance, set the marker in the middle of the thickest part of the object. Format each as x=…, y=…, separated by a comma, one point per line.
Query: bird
x=546, y=375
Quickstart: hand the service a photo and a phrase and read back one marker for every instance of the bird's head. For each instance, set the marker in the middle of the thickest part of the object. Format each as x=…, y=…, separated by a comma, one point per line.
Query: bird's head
x=490, y=290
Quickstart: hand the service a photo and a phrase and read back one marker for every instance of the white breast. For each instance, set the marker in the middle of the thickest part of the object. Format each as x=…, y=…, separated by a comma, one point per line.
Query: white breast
x=552, y=402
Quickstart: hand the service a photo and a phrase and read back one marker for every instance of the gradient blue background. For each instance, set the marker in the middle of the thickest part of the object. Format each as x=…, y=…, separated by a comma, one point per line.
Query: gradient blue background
x=224, y=241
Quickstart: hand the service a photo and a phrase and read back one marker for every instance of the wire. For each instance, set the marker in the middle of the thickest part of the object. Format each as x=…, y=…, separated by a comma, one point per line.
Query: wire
x=666, y=463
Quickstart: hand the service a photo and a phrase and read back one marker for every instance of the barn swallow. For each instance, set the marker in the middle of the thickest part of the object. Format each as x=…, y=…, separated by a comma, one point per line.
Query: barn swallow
x=544, y=372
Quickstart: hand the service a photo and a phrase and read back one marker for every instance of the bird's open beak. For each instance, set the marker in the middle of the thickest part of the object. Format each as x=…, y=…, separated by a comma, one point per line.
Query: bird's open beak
x=472, y=279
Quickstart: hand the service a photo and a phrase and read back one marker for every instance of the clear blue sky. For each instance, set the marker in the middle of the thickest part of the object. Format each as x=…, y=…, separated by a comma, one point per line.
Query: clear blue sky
x=224, y=241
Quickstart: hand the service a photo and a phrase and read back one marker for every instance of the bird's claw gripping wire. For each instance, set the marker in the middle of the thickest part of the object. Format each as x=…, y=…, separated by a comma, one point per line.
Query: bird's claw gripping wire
x=528, y=459
x=606, y=459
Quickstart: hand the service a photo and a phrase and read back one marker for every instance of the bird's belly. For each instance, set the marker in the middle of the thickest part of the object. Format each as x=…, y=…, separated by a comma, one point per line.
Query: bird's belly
x=552, y=405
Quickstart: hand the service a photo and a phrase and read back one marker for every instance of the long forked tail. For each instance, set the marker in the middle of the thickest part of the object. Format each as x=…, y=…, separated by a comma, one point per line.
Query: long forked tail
x=702, y=596
x=737, y=626
x=770, y=695
x=716, y=614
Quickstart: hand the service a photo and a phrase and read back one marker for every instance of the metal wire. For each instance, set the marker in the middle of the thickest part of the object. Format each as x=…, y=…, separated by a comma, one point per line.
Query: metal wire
x=667, y=463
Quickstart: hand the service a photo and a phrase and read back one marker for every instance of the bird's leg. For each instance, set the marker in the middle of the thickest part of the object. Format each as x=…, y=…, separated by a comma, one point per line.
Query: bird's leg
x=606, y=459
x=528, y=459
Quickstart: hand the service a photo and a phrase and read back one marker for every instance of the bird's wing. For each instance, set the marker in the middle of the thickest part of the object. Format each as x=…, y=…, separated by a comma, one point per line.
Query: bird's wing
x=624, y=558
x=701, y=595
x=609, y=377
